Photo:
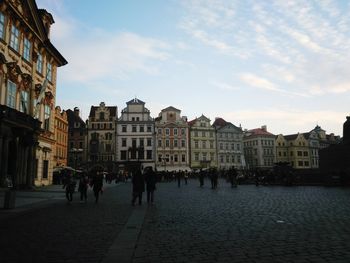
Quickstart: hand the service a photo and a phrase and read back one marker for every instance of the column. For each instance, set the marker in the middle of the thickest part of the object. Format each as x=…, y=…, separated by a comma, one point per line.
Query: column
x=4, y=160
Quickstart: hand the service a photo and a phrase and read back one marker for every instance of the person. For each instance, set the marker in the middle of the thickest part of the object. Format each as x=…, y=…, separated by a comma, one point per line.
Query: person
x=83, y=186
x=97, y=184
x=233, y=176
x=138, y=186
x=186, y=177
x=201, y=178
x=151, y=180
x=178, y=178
x=69, y=185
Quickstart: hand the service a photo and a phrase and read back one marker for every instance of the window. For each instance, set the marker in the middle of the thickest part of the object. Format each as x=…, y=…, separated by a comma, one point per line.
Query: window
x=211, y=145
x=149, y=142
x=81, y=145
x=300, y=163
x=133, y=143
x=175, y=143
x=167, y=143
x=160, y=159
x=149, y=128
x=175, y=131
x=149, y=154
x=167, y=131
x=11, y=94
x=159, y=131
x=47, y=113
x=142, y=128
x=175, y=158
x=49, y=72
x=142, y=142
x=108, y=147
x=196, y=134
x=306, y=153
x=306, y=163
x=221, y=146
x=204, y=144
x=45, y=169
x=183, y=143
x=14, y=43
x=122, y=155
x=195, y=144
x=23, y=107
x=39, y=64
x=2, y=26
x=133, y=129
x=300, y=153
x=26, y=49
x=124, y=128
x=196, y=156
x=123, y=142
x=182, y=131
x=204, y=156
x=211, y=134
x=238, y=147
x=102, y=115
x=183, y=158
x=159, y=143
x=232, y=146
x=203, y=133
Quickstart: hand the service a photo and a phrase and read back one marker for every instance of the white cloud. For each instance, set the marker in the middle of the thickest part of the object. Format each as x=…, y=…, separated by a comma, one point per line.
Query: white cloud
x=223, y=86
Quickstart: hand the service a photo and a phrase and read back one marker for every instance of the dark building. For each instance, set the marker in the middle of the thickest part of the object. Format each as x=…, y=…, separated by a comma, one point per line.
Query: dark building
x=335, y=160
x=77, y=132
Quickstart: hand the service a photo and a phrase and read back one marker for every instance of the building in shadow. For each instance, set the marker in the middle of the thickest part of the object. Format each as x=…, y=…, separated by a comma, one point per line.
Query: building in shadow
x=335, y=160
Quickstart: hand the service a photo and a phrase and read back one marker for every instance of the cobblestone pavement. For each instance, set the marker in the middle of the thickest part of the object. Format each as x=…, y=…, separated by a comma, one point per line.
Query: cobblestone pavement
x=246, y=224
x=60, y=232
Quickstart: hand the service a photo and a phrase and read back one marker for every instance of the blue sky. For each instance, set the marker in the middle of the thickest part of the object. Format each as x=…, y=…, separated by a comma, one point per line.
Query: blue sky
x=284, y=64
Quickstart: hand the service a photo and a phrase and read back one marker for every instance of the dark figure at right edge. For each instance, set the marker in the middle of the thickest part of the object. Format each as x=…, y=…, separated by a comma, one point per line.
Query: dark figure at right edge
x=138, y=186
x=151, y=180
x=97, y=184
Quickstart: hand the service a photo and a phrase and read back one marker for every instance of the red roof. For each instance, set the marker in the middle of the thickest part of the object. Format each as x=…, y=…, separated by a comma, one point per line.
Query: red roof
x=259, y=132
x=219, y=122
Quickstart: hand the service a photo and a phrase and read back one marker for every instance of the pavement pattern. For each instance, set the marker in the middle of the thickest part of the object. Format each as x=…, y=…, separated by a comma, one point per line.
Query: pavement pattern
x=186, y=224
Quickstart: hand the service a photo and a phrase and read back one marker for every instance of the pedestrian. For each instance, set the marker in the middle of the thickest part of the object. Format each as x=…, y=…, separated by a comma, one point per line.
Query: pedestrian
x=97, y=184
x=186, y=177
x=151, y=180
x=178, y=178
x=69, y=184
x=201, y=178
x=83, y=186
x=138, y=186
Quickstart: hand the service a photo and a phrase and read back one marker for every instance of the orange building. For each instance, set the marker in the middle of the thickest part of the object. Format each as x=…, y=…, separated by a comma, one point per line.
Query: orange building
x=61, y=136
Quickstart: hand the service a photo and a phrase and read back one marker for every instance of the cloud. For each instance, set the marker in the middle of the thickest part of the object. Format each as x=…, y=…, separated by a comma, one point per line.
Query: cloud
x=223, y=86
x=287, y=120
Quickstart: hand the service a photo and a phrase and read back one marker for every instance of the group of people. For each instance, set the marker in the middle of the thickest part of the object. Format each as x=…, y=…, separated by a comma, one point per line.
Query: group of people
x=96, y=183
x=139, y=180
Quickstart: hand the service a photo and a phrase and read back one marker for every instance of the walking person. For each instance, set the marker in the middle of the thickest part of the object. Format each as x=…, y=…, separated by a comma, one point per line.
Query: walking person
x=69, y=185
x=186, y=177
x=151, y=180
x=201, y=178
x=178, y=178
x=138, y=186
x=97, y=184
x=83, y=186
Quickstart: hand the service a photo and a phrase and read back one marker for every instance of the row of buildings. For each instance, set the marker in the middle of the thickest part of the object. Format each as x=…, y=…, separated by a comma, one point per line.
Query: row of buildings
x=38, y=138
x=111, y=142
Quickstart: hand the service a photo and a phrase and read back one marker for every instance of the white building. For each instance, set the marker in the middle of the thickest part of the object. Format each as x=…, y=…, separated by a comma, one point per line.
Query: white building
x=229, y=143
x=135, y=136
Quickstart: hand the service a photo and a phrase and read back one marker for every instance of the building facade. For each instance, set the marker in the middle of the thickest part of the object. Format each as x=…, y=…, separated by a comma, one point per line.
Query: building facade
x=135, y=136
x=28, y=68
x=102, y=128
x=298, y=150
x=229, y=144
x=61, y=138
x=202, y=143
x=77, y=140
x=259, y=148
x=172, y=141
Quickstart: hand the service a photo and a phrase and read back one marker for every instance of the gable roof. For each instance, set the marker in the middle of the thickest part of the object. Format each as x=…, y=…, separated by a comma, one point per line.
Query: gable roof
x=72, y=118
x=171, y=108
x=112, y=110
x=135, y=101
x=291, y=137
x=258, y=132
x=219, y=122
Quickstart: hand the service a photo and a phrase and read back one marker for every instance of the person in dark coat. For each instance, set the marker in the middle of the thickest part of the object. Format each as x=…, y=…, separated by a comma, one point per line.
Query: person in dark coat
x=201, y=178
x=83, y=186
x=69, y=184
x=138, y=186
x=151, y=180
x=97, y=184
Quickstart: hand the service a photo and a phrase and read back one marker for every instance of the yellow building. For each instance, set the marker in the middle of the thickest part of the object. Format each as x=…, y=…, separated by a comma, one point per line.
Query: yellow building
x=202, y=143
x=298, y=150
x=61, y=138
x=28, y=67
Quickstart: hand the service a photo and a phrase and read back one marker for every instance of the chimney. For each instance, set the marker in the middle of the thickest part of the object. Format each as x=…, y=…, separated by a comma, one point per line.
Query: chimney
x=264, y=128
x=77, y=111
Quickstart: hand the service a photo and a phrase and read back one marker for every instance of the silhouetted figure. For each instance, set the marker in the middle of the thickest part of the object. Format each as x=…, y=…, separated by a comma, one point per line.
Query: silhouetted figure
x=69, y=184
x=83, y=186
x=232, y=174
x=201, y=178
x=151, y=180
x=138, y=187
x=97, y=184
x=186, y=177
x=178, y=178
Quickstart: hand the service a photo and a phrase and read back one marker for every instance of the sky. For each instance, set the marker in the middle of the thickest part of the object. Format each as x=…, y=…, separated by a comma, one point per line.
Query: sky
x=283, y=64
